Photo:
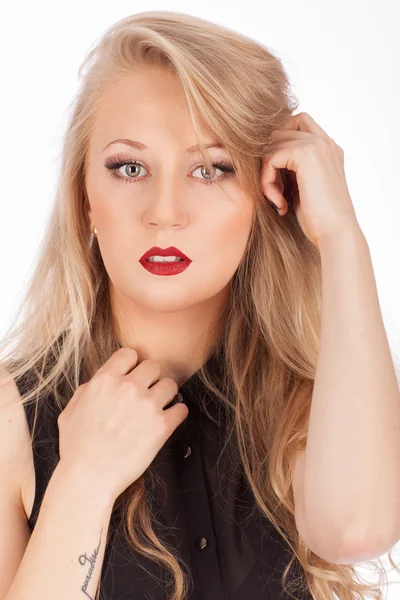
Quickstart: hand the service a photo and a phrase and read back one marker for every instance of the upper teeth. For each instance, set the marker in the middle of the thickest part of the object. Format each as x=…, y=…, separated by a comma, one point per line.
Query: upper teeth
x=164, y=258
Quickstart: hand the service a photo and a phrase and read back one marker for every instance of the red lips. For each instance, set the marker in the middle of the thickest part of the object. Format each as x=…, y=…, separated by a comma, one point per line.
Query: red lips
x=165, y=267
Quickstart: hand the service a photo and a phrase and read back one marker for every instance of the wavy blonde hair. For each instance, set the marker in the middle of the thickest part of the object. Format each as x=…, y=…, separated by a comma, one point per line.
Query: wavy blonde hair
x=270, y=329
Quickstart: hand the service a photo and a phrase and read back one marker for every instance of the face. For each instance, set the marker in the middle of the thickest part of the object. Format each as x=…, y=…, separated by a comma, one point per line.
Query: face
x=162, y=197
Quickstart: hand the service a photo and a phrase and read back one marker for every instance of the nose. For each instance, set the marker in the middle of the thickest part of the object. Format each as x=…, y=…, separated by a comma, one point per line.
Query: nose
x=167, y=208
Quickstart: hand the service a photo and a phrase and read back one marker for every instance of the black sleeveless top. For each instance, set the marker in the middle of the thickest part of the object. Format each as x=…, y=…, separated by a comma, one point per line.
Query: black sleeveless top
x=232, y=552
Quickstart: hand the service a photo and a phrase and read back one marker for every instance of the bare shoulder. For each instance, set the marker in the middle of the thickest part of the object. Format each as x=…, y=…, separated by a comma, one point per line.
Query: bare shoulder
x=16, y=459
x=14, y=450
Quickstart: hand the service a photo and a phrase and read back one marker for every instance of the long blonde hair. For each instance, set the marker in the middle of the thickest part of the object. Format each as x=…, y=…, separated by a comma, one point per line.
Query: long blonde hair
x=236, y=88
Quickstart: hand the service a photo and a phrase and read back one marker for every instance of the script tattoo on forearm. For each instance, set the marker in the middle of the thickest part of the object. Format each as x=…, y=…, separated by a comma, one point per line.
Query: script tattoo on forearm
x=92, y=561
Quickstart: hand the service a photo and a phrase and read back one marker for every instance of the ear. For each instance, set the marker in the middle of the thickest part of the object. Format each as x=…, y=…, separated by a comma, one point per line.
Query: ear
x=89, y=218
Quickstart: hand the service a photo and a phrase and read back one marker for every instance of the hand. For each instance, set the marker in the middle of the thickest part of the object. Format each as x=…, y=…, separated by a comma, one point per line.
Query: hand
x=322, y=200
x=114, y=425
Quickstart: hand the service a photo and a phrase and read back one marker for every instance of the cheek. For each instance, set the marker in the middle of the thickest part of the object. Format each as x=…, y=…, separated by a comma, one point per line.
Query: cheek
x=227, y=244
x=109, y=225
x=233, y=231
x=105, y=214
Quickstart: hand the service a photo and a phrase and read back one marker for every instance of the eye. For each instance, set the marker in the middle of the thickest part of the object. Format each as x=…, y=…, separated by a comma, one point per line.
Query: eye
x=226, y=169
x=133, y=168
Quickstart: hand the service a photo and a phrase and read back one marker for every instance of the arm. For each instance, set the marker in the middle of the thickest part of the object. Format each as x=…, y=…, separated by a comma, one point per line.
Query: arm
x=350, y=490
x=65, y=554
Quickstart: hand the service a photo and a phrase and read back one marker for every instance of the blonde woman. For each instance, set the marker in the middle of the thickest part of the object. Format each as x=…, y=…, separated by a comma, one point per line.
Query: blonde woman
x=200, y=401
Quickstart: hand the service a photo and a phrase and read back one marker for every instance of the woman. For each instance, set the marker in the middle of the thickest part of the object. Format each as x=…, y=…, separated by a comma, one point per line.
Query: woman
x=200, y=283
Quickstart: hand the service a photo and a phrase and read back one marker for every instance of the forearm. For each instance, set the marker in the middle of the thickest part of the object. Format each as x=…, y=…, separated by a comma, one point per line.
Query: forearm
x=65, y=554
x=352, y=462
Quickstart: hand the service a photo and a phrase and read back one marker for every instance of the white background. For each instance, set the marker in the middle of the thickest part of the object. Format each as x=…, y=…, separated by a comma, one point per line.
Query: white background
x=343, y=59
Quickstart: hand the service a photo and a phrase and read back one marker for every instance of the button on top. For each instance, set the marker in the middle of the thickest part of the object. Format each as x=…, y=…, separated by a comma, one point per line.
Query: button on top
x=188, y=452
x=201, y=543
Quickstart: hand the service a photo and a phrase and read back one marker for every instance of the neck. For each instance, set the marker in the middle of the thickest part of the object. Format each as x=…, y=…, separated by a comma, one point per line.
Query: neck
x=181, y=340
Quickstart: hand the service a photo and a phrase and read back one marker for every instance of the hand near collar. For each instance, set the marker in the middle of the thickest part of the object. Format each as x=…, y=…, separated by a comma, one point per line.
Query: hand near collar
x=315, y=164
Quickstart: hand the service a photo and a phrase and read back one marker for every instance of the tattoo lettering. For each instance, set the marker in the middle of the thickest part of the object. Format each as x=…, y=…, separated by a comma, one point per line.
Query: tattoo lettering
x=92, y=560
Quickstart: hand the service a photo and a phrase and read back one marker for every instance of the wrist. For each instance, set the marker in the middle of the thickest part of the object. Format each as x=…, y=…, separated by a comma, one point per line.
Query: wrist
x=82, y=485
x=348, y=237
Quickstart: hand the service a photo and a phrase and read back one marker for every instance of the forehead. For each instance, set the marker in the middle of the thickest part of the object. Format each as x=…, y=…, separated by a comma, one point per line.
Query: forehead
x=149, y=105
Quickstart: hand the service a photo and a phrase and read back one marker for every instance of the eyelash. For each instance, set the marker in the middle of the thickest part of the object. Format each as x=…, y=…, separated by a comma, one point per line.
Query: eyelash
x=114, y=164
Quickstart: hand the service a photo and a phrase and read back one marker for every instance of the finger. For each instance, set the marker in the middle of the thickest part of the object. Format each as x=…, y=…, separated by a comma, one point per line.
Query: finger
x=175, y=415
x=282, y=135
x=166, y=391
x=121, y=362
x=304, y=122
x=146, y=373
x=271, y=163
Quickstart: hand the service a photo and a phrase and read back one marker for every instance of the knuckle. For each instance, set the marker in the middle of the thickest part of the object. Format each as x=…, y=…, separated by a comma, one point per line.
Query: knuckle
x=167, y=385
x=128, y=385
x=321, y=145
x=162, y=424
x=321, y=141
x=151, y=413
x=106, y=376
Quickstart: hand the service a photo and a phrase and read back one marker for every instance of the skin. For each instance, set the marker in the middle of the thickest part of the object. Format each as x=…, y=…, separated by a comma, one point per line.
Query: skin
x=168, y=202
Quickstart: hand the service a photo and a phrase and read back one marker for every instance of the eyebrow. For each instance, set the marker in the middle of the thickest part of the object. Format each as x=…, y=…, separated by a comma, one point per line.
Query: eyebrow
x=140, y=146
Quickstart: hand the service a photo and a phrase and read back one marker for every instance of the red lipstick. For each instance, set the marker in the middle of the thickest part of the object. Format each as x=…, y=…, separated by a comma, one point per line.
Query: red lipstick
x=165, y=268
